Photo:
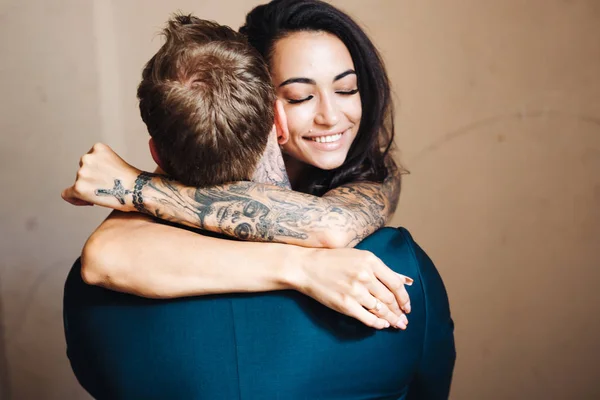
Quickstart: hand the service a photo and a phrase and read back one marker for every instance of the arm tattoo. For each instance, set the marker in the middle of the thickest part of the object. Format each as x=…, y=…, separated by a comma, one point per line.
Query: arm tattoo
x=371, y=204
x=140, y=182
x=391, y=188
x=259, y=212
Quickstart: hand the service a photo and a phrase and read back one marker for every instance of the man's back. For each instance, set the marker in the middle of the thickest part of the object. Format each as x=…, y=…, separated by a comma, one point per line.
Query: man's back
x=261, y=346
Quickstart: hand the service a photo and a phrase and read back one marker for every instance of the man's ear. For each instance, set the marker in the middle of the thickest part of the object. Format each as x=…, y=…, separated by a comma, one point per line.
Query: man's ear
x=281, y=126
x=154, y=152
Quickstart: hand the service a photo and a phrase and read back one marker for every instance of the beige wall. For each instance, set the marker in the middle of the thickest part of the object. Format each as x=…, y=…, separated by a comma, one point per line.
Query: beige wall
x=498, y=121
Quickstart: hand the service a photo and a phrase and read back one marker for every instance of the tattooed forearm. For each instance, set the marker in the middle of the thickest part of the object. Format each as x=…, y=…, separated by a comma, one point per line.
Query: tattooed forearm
x=258, y=212
x=391, y=187
x=140, y=182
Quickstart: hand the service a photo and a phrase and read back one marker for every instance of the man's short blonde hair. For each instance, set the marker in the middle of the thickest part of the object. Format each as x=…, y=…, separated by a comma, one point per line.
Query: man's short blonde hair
x=208, y=102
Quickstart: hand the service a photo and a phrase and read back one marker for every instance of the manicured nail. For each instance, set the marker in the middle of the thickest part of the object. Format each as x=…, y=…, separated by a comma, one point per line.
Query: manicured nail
x=408, y=281
x=407, y=308
x=386, y=324
x=400, y=324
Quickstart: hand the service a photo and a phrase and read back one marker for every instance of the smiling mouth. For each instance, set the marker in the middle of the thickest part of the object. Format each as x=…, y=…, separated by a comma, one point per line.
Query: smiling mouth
x=326, y=138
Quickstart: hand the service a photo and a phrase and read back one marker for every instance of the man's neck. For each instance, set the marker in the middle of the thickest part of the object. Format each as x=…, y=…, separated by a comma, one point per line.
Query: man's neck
x=271, y=168
x=295, y=169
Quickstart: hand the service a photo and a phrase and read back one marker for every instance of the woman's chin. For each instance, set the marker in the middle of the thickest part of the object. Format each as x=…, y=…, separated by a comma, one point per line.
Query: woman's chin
x=329, y=163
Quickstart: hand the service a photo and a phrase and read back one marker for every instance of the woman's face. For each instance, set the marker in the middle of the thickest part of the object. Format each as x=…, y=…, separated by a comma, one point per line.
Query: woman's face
x=314, y=77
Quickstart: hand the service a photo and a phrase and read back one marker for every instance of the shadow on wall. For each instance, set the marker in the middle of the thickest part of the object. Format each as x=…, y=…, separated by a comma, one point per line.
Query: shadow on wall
x=502, y=118
x=4, y=382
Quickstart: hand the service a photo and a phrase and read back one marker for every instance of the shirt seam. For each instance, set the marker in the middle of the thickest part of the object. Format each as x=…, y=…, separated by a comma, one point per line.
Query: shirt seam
x=235, y=343
x=415, y=259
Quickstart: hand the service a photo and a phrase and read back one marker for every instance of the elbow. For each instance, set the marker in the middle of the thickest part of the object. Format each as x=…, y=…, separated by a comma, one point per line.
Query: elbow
x=105, y=263
x=334, y=239
x=96, y=266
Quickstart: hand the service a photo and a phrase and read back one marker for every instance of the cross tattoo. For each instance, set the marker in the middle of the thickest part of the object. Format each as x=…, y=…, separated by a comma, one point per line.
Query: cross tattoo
x=118, y=191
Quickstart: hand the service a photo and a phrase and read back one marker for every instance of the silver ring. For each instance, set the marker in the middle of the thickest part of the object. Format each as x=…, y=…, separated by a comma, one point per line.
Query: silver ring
x=378, y=305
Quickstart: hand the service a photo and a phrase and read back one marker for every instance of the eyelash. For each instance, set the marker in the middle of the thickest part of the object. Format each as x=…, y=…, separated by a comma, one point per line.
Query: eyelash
x=348, y=93
x=292, y=101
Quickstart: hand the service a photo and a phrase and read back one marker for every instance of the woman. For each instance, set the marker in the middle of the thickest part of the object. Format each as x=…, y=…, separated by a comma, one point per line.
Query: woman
x=337, y=99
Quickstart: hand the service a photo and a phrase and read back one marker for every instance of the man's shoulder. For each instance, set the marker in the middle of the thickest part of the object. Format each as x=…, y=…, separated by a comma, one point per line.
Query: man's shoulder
x=395, y=247
x=388, y=238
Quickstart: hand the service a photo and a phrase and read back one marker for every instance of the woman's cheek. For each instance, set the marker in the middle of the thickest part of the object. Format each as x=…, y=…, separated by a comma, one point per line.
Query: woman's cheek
x=354, y=109
x=299, y=119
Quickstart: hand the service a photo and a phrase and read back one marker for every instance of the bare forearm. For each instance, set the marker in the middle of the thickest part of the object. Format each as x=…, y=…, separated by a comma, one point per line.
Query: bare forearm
x=133, y=254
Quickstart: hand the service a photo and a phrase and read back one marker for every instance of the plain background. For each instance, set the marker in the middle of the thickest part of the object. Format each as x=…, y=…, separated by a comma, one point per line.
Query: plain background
x=498, y=106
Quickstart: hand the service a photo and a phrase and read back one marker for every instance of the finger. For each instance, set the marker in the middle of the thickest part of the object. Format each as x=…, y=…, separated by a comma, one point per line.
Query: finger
x=395, y=283
x=407, y=280
x=355, y=310
x=378, y=308
x=85, y=157
x=69, y=196
x=384, y=312
x=383, y=294
x=77, y=202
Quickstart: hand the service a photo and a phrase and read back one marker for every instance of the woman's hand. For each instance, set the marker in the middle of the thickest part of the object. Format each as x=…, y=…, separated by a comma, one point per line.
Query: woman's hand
x=103, y=179
x=356, y=283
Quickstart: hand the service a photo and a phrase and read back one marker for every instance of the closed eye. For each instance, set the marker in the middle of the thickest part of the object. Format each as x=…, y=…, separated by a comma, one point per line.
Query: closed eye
x=347, y=92
x=298, y=101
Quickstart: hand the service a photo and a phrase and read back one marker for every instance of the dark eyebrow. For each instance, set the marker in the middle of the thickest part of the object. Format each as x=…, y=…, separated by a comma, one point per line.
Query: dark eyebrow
x=309, y=81
x=298, y=80
x=343, y=74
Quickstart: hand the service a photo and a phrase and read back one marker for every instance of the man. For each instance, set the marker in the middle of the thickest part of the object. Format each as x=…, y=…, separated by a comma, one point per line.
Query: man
x=244, y=346
x=207, y=99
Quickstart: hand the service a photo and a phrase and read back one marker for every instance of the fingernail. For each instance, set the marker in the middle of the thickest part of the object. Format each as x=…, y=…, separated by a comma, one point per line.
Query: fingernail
x=400, y=324
x=407, y=308
x=386, y=324
x=408, y=281
x=404, y=319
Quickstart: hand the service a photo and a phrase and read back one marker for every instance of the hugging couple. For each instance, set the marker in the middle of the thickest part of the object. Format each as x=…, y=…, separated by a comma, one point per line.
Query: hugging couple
x=254, y=262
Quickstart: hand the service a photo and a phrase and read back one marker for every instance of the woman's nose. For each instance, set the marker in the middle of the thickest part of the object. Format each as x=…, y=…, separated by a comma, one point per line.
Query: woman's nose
x=328, y=113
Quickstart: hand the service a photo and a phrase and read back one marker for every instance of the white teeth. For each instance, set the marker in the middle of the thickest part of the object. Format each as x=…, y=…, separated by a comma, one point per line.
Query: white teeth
x=327, y=139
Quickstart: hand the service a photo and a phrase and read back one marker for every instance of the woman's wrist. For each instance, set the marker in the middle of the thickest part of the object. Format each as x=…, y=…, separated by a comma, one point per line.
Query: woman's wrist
x=291, y=270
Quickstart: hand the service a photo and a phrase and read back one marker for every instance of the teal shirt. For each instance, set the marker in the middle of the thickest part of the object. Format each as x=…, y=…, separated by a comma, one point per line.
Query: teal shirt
x=274, y=345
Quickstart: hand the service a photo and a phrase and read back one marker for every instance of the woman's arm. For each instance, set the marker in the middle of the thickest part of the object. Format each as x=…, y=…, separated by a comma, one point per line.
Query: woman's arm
x=244, y=210
x=257, y=212
x=134, y=254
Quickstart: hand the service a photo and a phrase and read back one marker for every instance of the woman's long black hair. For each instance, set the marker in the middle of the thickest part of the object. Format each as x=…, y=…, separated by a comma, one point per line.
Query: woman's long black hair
x=368, y=158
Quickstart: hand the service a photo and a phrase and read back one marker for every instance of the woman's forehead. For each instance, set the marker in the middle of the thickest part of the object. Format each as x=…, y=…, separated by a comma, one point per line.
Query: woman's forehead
x=312, y=54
